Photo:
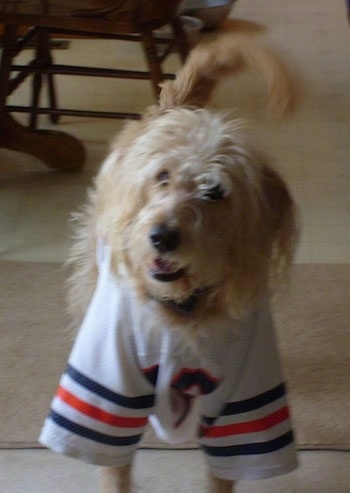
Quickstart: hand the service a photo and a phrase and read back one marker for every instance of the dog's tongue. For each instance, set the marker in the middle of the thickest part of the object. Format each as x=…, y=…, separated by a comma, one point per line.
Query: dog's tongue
x=164, y=271
x=161, y=265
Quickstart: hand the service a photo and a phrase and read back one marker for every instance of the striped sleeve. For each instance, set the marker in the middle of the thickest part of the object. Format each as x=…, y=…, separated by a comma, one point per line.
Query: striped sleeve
x=252, y=426
x=89, y=421
x=252, y=437
x=103, y=401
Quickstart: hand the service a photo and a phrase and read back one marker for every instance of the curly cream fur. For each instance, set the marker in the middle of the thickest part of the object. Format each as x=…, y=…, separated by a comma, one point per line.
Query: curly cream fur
x=255, y=221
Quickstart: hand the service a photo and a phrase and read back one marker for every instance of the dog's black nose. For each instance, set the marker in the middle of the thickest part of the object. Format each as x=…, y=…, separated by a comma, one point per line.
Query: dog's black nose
x=164, y=239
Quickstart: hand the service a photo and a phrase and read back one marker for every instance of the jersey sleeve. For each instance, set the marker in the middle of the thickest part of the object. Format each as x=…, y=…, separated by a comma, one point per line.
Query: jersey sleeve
x=252, y=438
x=103, y=401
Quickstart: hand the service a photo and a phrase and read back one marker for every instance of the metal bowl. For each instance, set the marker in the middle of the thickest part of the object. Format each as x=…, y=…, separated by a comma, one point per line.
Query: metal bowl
x=212, y=17
x=192, y=27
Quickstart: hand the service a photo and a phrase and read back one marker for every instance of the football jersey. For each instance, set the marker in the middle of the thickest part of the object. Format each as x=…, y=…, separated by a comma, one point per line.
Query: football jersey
x=224, y=388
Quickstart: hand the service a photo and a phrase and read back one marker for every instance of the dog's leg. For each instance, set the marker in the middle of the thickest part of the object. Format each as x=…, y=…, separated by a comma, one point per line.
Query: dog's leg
x=217, y=485
x=116, y=479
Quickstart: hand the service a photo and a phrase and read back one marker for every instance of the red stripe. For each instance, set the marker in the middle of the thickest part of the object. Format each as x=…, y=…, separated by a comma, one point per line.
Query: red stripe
x=149, y=369
x=262, y=424
x=97, y=413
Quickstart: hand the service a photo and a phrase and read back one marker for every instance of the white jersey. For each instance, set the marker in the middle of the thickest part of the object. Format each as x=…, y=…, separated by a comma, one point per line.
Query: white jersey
x=227, y=390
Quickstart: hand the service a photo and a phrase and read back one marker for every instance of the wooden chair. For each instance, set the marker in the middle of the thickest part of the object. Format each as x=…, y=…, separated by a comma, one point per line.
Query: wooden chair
x=37, y=21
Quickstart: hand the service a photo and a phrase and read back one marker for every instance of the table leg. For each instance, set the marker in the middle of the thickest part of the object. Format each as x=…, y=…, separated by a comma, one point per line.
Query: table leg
x=56, y=149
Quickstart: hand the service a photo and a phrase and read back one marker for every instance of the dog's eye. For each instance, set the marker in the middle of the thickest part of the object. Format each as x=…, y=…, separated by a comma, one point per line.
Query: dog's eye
x=163, y=178
x=213, y=194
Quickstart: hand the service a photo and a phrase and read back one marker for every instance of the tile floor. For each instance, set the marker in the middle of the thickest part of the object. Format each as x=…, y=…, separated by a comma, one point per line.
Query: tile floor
x=159, y=472
x=312, y=150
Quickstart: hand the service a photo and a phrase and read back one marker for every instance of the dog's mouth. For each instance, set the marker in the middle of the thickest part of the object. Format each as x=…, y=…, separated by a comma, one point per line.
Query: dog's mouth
x=165, y=270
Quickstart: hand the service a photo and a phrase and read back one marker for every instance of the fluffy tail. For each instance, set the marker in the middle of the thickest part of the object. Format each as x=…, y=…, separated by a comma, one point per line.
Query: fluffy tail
x=207, y=64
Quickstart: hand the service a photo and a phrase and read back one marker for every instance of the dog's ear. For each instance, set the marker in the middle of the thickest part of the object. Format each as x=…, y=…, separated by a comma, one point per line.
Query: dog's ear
x=207, y=64
x=281, y=215
x=264, y=240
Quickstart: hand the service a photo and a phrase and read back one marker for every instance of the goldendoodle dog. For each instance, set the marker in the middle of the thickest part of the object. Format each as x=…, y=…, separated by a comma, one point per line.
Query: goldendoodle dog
x=186, y=232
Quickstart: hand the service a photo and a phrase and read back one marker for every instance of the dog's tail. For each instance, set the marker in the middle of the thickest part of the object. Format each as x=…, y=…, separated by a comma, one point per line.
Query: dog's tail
x=208, y=63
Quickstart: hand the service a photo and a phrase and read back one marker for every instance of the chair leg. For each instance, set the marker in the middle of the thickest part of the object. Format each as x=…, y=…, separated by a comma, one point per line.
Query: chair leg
x=180, y=38
x=50, y=78
x=43, y=60
x=52, y=98
x=36, y=90
x=9, y=37
x=154, y=66
x=36, y=82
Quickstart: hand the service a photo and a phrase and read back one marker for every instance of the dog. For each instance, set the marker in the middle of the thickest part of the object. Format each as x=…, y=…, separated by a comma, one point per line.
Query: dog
x=187, y=230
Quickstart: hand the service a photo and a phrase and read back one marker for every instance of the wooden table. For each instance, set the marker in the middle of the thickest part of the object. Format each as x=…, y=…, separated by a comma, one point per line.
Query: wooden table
x=57, y=150
x=133, y=20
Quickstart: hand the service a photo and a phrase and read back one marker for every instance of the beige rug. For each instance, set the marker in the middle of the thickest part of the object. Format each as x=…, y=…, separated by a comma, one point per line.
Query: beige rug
x=312, y=317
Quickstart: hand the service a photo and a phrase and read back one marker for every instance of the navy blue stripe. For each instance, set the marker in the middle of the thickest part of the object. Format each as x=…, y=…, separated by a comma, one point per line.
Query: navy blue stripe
x=141, y=402
x=152, y=374
x=250, y=404
x=251, y=448
x=185, y=381
x=255, y=402
x=91, y=434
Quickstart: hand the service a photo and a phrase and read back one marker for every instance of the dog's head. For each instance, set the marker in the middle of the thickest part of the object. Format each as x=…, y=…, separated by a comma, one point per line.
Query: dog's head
x=189, y=206
x=192, y=207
